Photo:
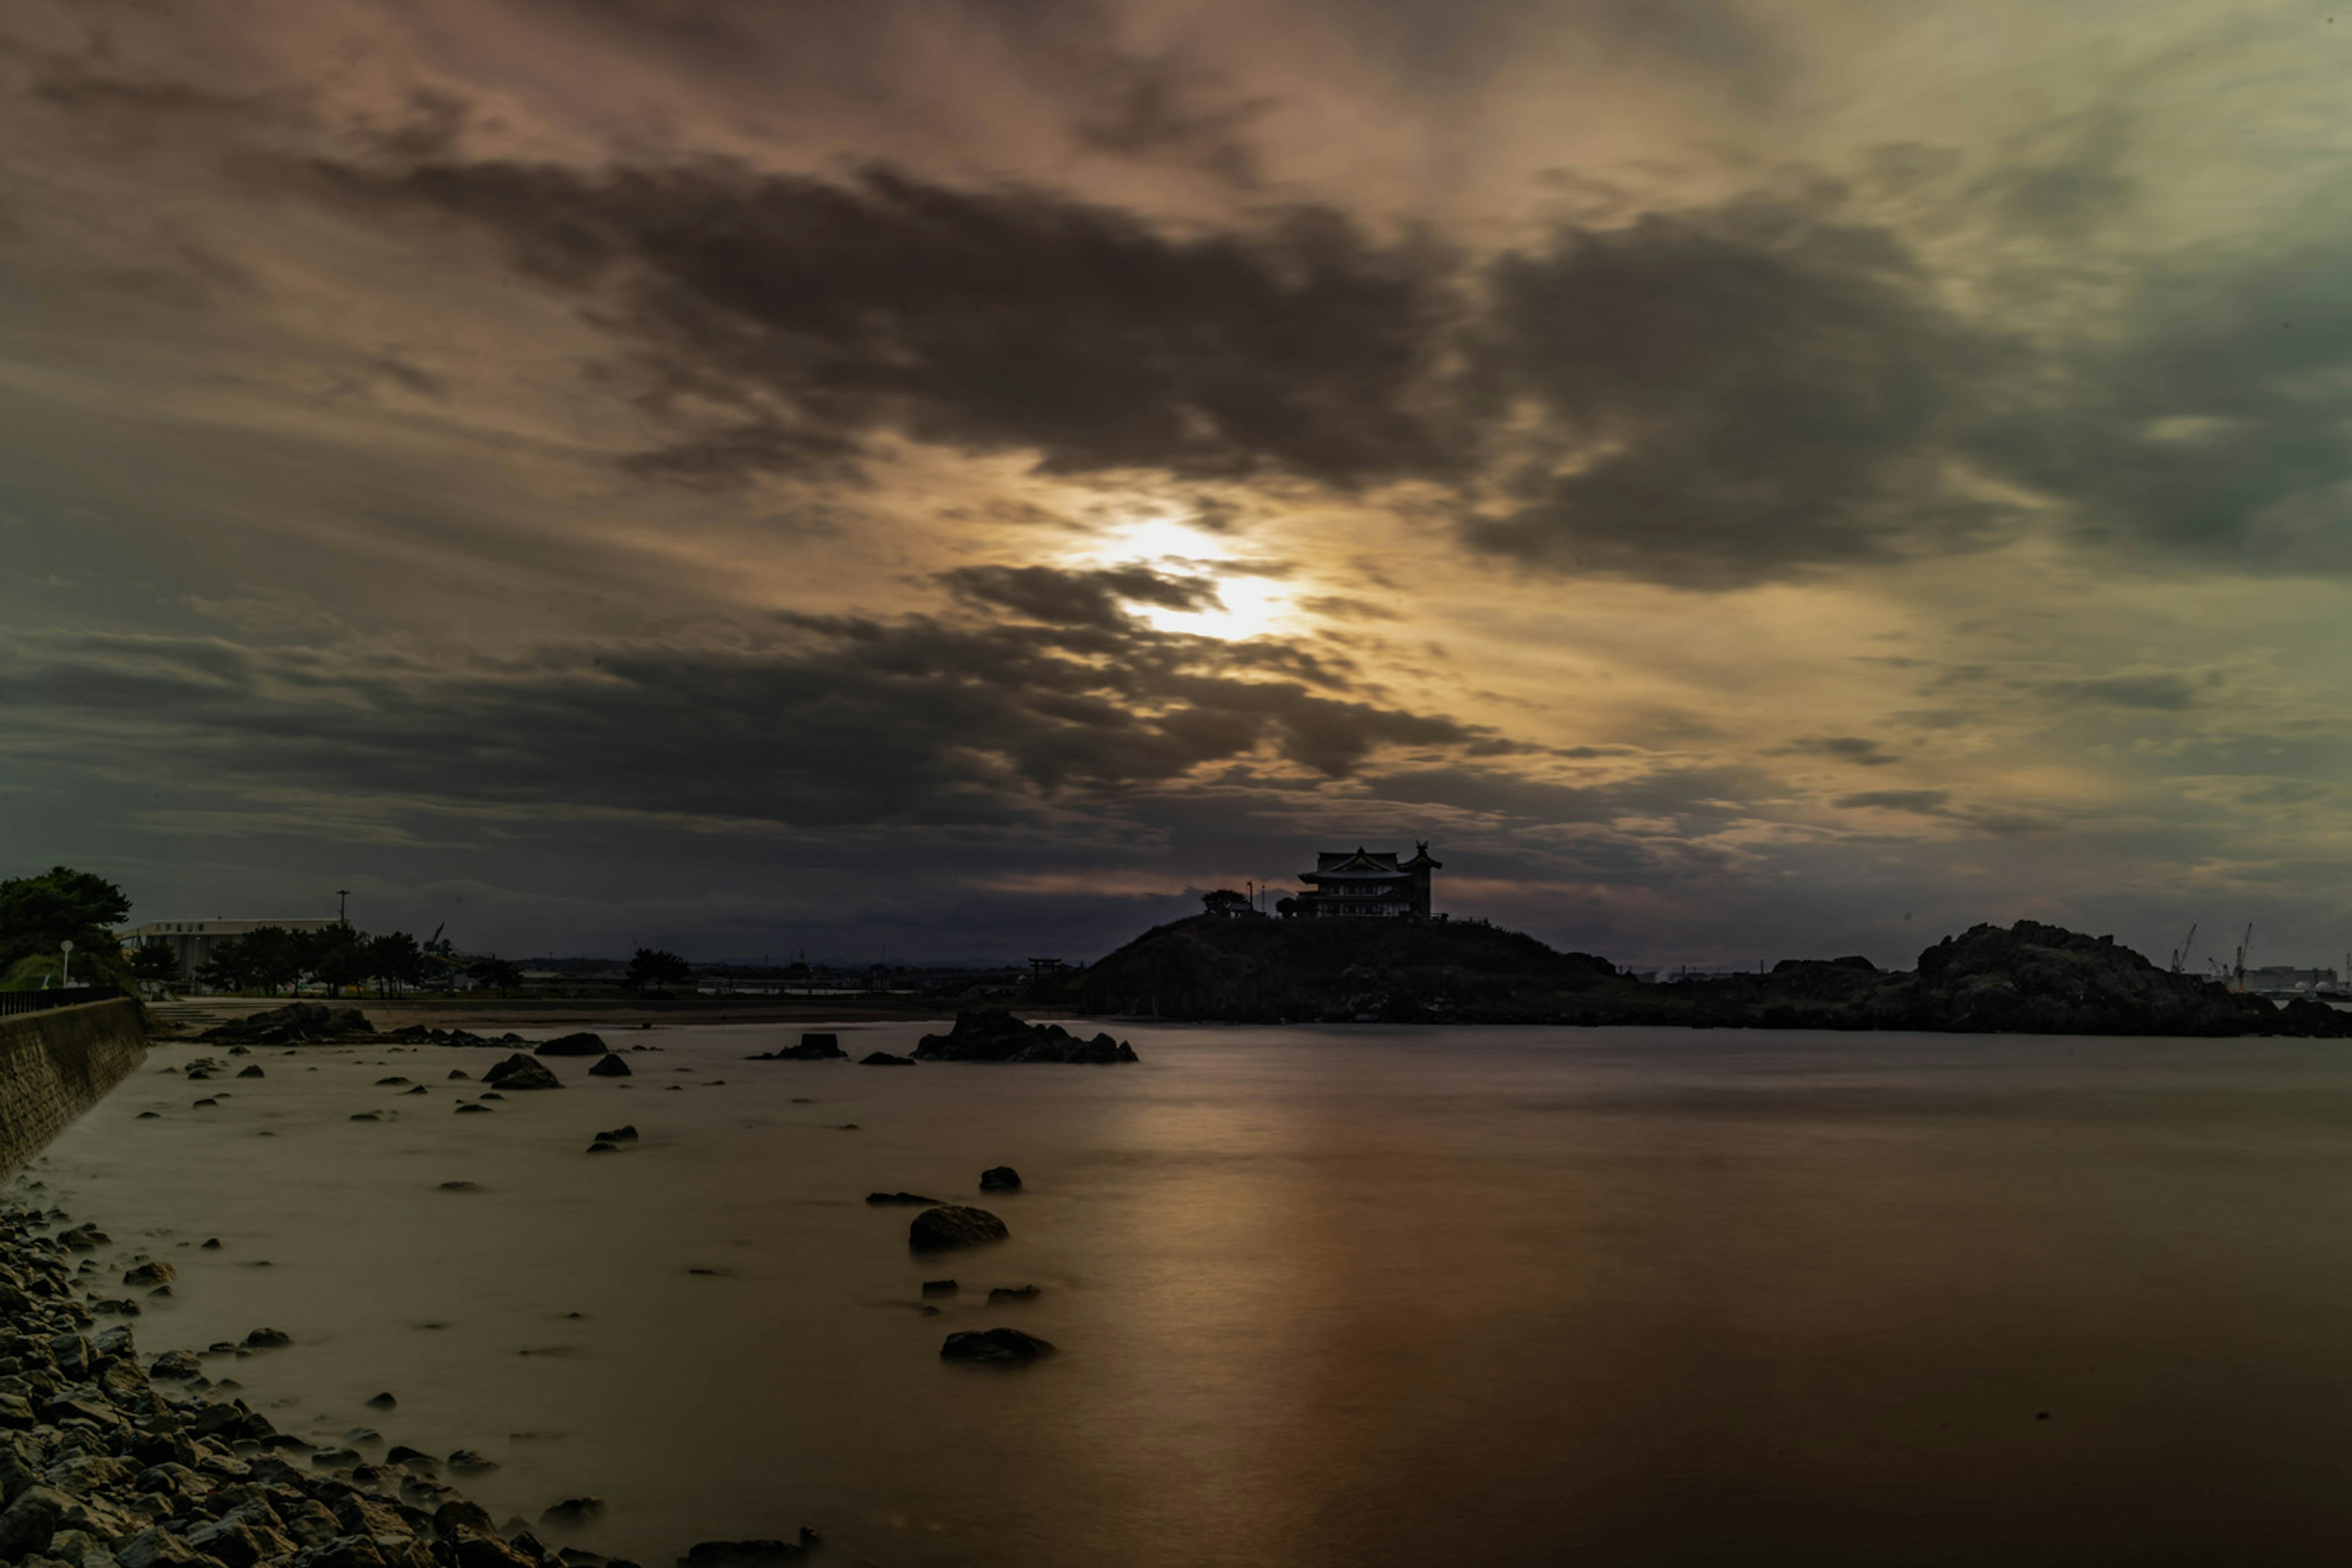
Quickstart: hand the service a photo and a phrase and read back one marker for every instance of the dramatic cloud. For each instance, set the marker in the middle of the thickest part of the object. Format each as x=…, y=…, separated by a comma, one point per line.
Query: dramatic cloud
x=1730, y=397
x=962, y=472
x=816, y=313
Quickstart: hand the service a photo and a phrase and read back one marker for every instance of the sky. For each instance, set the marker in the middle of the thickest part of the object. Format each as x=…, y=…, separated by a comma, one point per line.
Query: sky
x=956, y=478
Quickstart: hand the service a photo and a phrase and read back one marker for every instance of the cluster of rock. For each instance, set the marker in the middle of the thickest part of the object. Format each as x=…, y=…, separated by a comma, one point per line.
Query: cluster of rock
x=425, y=1035
x=2028, y=978
x=813, y=1048
x=316, y=1024
x=296, y=1024
x=991, y=1035
x=105, y=1463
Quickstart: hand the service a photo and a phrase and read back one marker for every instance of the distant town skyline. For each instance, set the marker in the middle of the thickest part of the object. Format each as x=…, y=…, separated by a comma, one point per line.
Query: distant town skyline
x=965, y=477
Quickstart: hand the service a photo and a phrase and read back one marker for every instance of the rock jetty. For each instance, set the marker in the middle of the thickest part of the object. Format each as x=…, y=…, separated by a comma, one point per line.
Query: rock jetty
x=991, y=1035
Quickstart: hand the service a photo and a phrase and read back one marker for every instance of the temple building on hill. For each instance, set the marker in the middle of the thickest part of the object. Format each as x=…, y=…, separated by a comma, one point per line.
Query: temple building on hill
x=1362, y=883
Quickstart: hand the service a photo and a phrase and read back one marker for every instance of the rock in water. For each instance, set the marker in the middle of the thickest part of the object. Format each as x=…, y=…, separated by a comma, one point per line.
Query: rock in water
x=939, y=1286
x=884, y=1059
x=519, y=1071
x=748, y=1554
x=1013, y=1293
x=991, y=1035
x=994, y=1347
x=579, y=1044
x=1000, y=1179
x=156, y=1273
x=296, y=1024
x=610, y=1067
x=879, y=1199
x=813, y=1048
x=952, y=1225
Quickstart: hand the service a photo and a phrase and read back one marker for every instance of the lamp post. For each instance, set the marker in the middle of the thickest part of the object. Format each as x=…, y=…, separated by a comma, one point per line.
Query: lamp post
x=65, y=965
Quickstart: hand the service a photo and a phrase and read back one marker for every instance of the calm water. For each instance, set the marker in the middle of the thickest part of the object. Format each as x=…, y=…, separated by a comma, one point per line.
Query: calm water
x=1323, y=1297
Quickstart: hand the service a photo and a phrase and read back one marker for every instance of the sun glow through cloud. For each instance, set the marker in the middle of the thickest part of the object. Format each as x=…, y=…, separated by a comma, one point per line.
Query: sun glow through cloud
x=1249, y=600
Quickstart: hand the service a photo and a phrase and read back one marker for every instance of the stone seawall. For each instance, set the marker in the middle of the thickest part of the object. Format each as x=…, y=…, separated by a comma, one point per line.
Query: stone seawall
x=55, y=1065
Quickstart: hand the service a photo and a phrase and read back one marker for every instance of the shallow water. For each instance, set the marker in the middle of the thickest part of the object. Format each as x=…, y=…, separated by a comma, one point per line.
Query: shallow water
x=1322, y=1296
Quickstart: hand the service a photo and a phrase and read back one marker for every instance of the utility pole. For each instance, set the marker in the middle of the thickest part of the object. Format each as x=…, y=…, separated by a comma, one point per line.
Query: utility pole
x=343, y=906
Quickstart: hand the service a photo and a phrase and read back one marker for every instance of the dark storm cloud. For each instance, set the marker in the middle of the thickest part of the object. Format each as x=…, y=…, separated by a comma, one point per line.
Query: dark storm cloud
x=840, y=722
x=1729, y=397
x=2161, y=693
x=2217, y=421
x=1091, y=598
x=825, y=313
x=1859, y=750
x=1923, y=802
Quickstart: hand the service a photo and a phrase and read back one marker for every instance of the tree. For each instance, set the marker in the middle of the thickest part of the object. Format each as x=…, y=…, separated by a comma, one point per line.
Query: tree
x=394, y=960
x=1225, y=901
x=338, y=957
x=652, y=966
x=500, y=975
x=156, y=962
x=37, y=914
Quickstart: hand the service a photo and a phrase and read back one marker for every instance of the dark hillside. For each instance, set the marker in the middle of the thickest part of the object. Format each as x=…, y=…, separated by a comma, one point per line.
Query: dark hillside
x=1212, y=967
x=2028, y=978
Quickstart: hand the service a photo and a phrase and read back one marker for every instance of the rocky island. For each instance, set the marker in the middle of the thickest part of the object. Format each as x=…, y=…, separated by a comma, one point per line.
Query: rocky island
x=2028, y=978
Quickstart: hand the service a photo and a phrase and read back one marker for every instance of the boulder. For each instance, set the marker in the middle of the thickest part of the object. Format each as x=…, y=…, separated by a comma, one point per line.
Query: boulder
x=579, y=1044
x=156, y=1273
x=610, y=1067
x=519, y=1071
x=994, y=1347
x=991, y=1035
x=1000, y=1179
x=268, y=1339
x=884, y=1059
x=572, y=1510
x=954, y=1226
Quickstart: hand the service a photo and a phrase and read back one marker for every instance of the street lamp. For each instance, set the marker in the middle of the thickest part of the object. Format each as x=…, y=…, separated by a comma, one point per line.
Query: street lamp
x=65, y=965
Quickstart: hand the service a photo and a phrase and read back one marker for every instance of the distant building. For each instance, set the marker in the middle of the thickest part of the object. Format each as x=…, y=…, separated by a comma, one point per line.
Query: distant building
x=192, y=942
x=1364, y=884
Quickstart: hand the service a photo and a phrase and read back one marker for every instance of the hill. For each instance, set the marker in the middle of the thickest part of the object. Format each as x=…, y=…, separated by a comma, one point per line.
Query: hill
x=2028, y=978
x=1242, y=971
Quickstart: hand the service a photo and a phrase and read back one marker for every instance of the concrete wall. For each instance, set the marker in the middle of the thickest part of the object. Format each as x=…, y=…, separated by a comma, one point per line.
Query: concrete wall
x=57, y=1064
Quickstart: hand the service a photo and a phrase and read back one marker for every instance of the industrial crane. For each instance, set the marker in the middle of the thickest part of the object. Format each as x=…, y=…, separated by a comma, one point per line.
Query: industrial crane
x=2238, y=973
x=2180, y=953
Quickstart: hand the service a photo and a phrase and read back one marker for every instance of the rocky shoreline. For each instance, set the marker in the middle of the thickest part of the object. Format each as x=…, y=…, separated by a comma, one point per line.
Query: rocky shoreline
x=106, y=1462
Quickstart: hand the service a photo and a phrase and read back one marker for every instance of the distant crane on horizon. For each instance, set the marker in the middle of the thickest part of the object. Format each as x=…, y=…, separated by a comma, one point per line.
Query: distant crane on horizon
x=2237, y=972
x=2180, y=953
